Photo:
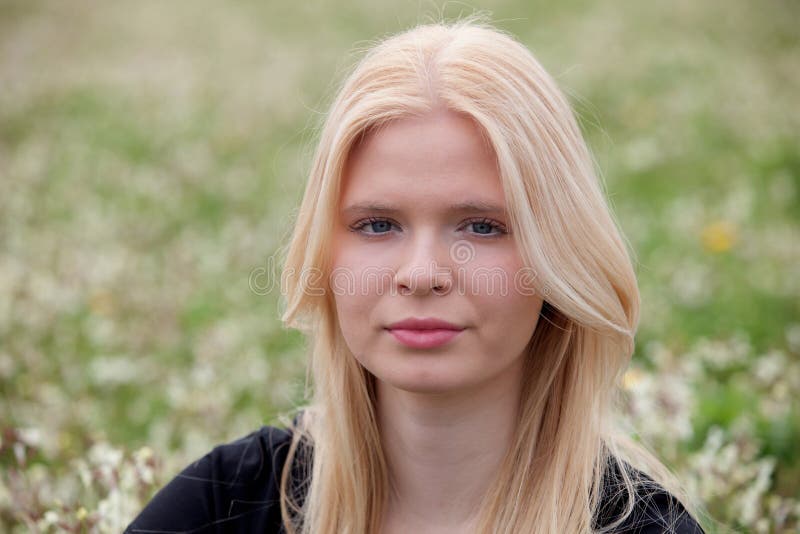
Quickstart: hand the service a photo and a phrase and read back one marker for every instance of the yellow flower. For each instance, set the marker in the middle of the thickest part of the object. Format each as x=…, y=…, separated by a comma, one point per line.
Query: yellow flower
x=101, y=303
x=81, y=513
x=144, y=454
x=719, y=236
x=631, y=378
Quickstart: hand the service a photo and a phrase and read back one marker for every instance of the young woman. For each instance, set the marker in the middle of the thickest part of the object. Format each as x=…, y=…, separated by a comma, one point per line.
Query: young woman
x=472, y=307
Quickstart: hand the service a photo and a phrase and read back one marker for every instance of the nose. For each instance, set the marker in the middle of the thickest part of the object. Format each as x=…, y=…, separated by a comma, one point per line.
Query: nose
x=424, y=266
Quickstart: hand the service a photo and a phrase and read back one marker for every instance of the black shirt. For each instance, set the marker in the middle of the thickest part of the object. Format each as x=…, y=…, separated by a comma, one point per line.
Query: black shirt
x=235, y=488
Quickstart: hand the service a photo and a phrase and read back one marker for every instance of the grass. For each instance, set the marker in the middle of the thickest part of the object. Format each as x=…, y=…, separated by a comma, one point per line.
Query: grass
x=152, y=157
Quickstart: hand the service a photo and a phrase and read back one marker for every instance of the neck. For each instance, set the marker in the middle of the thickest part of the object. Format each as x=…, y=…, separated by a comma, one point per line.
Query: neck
x=444, y=450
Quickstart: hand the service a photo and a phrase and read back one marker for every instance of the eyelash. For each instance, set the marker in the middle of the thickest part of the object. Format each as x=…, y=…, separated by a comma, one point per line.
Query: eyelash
x=358, y=226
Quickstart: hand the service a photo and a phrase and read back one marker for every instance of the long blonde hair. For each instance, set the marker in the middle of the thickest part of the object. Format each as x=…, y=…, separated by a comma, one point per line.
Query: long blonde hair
x=566, y=439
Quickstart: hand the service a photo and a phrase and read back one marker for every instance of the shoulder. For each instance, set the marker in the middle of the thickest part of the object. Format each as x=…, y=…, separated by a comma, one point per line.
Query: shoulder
x=655, y=510
x=232, y=488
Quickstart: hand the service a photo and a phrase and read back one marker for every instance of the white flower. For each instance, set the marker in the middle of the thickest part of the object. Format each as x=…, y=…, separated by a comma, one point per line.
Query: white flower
x=793, y=337
x=32, y=436
x=142, y=458
x=121, y=369
x=49, y=519
x=770, y=366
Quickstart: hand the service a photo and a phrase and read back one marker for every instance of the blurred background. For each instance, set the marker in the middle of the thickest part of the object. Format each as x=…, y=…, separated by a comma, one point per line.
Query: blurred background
x=151, y=156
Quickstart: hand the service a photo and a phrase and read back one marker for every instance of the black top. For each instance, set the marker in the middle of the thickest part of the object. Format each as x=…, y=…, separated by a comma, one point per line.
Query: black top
x=235, y=488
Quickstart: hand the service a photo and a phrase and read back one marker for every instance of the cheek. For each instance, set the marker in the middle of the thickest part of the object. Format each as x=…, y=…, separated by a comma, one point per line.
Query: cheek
x=357, y=279
x=509, y=313
x=355, y=284
x=491, y=277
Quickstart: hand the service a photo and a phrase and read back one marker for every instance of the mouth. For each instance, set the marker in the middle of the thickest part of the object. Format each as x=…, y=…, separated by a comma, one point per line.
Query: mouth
x=424, y=339
x=424, y=332
x=424, y=323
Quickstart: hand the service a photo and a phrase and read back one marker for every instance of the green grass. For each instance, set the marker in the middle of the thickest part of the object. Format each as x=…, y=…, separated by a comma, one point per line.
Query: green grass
x=152, y=157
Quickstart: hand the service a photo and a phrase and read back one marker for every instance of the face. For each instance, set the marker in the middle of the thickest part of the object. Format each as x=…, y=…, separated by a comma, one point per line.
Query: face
x=422, y=233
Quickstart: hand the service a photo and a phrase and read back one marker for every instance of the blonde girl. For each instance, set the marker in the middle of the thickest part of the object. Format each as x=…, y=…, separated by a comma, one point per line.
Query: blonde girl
x=471, y=306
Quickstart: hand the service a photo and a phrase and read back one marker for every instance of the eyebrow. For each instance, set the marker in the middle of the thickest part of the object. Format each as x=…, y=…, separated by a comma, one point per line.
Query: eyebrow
x=474, y=206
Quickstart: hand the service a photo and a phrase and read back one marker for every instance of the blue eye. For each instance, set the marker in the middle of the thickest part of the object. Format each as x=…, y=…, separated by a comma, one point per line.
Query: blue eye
x=484, y=227
x=378, y=226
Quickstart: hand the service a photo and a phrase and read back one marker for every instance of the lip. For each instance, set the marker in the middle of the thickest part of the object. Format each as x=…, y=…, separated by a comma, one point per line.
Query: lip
x=424, y=323
x=424, y=333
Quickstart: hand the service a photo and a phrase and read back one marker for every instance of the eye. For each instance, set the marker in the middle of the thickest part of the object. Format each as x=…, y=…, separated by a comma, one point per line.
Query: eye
x=377, y=225
x=484, y=227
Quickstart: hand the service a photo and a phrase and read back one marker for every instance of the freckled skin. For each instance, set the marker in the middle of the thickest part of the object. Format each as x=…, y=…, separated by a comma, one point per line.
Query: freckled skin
x=422, y=165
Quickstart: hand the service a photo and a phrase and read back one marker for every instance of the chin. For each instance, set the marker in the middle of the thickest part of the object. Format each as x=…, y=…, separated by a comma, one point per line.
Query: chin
x=423, y=389
x=424, y=383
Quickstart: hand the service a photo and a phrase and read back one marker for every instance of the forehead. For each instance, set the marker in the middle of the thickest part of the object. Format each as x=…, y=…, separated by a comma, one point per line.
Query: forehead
x=441, y=156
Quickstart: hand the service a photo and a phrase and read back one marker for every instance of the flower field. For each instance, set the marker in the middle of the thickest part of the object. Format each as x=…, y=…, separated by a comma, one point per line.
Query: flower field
x=151, y=157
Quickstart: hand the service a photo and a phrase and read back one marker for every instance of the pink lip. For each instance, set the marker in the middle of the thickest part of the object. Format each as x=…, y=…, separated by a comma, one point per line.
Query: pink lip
x=424, y=333
x=424, y=323
x=424, y=339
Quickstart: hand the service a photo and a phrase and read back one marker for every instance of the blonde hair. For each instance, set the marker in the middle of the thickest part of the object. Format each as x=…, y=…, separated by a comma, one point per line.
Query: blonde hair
x=566, y=440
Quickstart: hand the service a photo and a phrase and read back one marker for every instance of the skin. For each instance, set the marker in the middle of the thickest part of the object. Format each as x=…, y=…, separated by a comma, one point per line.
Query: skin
x=446, y=414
